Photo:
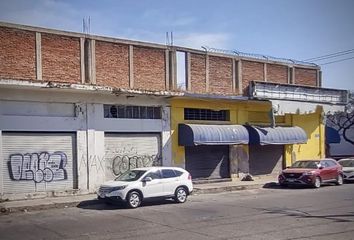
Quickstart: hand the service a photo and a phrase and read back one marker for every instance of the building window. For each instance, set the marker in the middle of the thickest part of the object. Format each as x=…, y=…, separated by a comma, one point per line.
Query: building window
x=131, y=112
x=206, y=114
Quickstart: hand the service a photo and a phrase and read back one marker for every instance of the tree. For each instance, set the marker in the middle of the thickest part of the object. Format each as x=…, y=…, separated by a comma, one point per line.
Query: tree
x=343, y=122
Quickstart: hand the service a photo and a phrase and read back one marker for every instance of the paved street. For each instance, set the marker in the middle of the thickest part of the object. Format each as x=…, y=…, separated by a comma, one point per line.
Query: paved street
x=325, y=213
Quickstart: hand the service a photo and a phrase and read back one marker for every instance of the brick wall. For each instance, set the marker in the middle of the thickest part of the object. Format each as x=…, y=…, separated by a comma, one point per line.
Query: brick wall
x=220, y=75
x=277, y=73
x=61, y=58
x=112, y=64
x=149, y=68
x=251, y=71
x=306, y=77
x=17, y=54
x=197, y=73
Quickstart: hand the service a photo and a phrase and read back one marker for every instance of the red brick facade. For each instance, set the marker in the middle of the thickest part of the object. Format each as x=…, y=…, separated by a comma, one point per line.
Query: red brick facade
x=112, y=64
x=61, y=62
x=277, y=73
x=17, y=54
x=306, y=77
x=61, y=58
x=251, y=71
x=198, y=74
x=220, y=75
x=149, y=68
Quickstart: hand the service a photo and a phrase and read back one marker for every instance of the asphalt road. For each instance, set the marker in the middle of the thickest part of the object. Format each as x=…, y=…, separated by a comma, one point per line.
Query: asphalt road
x=325, y=213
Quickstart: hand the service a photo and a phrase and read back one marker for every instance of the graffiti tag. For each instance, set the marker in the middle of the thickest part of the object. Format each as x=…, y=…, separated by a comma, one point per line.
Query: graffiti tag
x=123, y=163
x=38, y=167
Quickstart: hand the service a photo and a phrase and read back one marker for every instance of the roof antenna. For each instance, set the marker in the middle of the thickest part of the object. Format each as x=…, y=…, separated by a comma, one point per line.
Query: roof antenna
x=86, y=25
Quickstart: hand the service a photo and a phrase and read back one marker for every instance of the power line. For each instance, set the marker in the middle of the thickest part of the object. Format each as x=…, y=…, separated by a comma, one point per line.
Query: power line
x=332, y=55
x=340, y=60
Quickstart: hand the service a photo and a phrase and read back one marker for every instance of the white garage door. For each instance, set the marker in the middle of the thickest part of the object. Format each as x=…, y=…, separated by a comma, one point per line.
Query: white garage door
x=127, y=151
x=37, y=162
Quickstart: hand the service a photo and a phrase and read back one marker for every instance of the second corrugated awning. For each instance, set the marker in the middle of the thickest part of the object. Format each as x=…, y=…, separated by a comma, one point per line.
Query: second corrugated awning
x=276, y=135
x=203, y=134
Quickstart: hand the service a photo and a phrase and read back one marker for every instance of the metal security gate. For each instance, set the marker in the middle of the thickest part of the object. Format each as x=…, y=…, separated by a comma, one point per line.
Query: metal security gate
x=209, y=162
x=38, y=162
x=266, y=159
x=128, y=151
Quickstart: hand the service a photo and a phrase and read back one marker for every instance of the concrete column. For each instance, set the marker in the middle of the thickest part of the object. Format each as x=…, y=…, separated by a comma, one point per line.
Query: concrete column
x=293, y=80
x=207, y=73
x=188, y=71
x=82, y=160
x=239, y=161
x=95, y=148
x=239, y=77
x=38, y=56
x=166, y=137
x=234, y=75
x=167, y=70
x=131, y=66
x=173, y=70
x=319, y=78
x=265, y=72
x=93, y=61
x=82, y=59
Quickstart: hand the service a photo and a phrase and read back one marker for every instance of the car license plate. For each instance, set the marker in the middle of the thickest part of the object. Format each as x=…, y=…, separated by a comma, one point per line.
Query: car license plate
x=290, y=180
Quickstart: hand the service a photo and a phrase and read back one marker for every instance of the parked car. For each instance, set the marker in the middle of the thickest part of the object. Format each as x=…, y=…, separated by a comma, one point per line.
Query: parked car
x=312, y=173
x=348, y=168
x=136, y=185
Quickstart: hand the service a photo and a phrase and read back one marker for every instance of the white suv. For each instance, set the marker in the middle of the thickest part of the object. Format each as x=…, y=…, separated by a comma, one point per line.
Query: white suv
x=135, y=185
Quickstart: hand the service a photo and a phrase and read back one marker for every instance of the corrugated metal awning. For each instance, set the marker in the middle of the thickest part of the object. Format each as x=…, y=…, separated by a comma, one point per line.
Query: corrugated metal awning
x=277, y=135
x=203, y=134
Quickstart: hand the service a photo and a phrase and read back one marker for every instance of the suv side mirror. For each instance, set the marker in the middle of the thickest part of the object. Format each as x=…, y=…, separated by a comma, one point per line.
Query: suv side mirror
x=320, y=167
x=147, y=179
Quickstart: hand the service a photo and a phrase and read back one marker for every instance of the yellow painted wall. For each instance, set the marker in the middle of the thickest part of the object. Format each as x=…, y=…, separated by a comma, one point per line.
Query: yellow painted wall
x=238, y=115
x=315, y=146
x=252, y=113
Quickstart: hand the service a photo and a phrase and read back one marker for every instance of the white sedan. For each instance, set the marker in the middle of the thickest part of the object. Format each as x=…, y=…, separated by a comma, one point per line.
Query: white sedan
x=348, y=168
x=135, y=185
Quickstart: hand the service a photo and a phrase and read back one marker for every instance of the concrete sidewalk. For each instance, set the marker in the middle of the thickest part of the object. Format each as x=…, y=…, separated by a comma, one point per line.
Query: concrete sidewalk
x=91, y=199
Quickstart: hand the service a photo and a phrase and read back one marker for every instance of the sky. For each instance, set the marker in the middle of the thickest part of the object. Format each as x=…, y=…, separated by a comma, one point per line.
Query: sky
x=296, y=29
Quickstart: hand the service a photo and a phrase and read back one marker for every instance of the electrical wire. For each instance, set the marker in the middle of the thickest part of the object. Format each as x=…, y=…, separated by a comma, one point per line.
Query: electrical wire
x=340, y=60
x=332, y=55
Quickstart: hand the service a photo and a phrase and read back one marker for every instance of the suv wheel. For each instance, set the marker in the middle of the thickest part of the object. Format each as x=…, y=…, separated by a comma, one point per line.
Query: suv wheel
x=181, y=195
x=317, y=183
x=339, y=180
x=133, y=199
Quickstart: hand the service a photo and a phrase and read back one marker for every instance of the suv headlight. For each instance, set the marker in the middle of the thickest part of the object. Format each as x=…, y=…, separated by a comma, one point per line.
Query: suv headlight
x=118, y=188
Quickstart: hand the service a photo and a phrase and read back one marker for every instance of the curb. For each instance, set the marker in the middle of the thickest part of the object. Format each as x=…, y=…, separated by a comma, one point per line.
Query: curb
x=90, y=202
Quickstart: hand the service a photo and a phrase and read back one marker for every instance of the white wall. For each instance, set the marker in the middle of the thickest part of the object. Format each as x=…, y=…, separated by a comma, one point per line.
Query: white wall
x=82, y=113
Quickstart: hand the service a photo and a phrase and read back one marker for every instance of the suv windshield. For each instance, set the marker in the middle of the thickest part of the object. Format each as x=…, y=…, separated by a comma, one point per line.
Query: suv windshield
x=347, y=163
x=130, y=175
x=305, y=164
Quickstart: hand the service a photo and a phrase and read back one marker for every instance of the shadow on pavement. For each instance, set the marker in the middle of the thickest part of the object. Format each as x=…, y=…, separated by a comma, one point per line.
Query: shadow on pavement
x=109, y=205
x=274, y=185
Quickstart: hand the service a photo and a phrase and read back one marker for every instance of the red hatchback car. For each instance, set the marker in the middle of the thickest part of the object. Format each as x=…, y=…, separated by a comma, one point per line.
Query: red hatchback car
x=312, y=173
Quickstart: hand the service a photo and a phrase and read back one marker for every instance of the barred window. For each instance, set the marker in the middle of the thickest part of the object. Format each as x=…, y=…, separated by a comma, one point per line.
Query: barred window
x=206, y=114
x=131, y=112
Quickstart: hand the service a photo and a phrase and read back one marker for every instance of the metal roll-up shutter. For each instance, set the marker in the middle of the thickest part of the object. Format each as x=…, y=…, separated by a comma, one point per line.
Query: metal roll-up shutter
x=208, y=162
x=266, y=159
x=38, y=162
x=128, y=151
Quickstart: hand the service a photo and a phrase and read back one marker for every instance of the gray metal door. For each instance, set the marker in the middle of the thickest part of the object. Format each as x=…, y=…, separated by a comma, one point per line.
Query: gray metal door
x=37, y=162
x=128, y=151
x=266, y=159
x=209, y=162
